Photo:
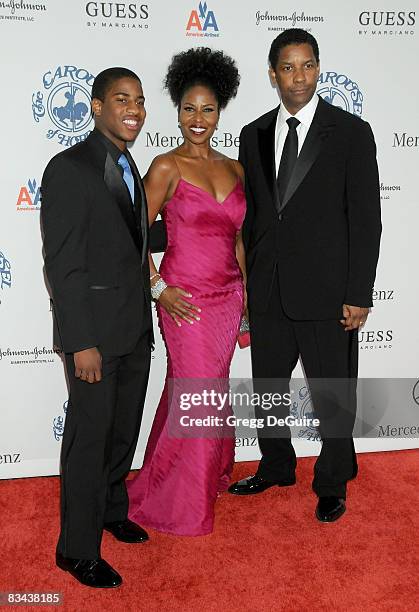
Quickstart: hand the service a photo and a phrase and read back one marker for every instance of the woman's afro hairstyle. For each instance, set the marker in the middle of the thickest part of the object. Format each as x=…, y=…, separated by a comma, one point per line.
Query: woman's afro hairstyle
x=202, y=66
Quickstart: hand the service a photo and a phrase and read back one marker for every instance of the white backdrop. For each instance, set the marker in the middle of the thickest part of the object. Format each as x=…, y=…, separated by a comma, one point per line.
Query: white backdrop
x=51, y=51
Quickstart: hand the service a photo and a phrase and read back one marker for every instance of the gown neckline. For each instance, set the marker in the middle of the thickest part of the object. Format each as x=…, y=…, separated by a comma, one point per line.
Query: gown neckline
x=182, y=180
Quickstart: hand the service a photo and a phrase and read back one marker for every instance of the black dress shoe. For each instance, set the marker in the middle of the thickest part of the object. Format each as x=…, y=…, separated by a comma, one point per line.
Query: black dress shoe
x=127, y=531
x=91, y=572
x=255, y=484
x=330, y=508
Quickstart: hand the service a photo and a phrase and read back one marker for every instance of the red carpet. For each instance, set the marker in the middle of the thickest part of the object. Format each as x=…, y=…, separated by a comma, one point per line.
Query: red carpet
x=268, y=552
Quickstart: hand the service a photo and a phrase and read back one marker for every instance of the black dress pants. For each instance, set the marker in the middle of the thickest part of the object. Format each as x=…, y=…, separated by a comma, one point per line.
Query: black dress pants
x=100, y=436
x=329, y=357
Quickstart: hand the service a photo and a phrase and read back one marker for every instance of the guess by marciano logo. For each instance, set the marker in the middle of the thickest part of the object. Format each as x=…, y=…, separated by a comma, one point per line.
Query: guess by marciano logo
x=202, y=22
x=29, y=197
x=63, y=102
x=387, y=23
x=118, y=15
x=373, y=339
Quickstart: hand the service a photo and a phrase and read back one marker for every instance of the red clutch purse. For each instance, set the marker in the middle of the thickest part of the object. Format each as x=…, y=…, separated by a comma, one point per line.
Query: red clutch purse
x=244, y=333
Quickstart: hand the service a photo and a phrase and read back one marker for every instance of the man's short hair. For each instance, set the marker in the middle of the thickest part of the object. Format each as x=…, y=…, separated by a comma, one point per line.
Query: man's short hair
x=293, y=36
x=104, y=80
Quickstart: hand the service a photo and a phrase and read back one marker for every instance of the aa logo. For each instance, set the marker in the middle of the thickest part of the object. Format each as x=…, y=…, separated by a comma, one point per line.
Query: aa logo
x=29, y=197
x=202, y=22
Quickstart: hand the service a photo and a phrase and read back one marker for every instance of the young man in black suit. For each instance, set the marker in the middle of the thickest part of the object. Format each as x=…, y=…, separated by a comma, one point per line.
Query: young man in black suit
x=95, y=223
x=312, y=233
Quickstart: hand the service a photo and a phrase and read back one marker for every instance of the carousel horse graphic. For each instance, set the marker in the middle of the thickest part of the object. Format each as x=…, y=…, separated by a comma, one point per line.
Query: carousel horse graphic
x=72, y=112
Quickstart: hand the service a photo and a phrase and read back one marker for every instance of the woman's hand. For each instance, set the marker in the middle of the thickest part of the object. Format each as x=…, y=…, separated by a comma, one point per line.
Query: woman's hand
x=172, y=300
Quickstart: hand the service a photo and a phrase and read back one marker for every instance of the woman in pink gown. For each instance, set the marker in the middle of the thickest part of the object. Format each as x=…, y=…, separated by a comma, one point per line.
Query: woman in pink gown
x=200, y=289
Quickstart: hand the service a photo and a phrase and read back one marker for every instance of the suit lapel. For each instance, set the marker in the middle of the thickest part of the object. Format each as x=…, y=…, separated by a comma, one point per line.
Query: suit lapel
x=115, y=183
x=266, y=140
x=320, y=129
x=141, y=207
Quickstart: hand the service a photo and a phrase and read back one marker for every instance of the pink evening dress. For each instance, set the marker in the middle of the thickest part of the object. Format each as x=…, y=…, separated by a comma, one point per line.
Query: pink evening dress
x=176, y=489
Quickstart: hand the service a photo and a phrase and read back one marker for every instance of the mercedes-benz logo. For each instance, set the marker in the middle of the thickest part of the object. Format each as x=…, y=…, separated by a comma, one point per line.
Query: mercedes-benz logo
x=415, y=392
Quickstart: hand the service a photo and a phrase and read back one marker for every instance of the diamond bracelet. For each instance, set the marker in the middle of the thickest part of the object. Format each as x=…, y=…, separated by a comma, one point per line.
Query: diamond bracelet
x=157, y=289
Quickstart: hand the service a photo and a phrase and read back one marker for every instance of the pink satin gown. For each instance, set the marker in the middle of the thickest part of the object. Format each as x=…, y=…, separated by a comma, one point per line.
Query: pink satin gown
x=176, y=489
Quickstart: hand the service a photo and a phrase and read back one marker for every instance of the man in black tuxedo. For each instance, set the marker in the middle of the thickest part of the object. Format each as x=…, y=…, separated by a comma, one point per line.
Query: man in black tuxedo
x=95, y=223
x=311, y=233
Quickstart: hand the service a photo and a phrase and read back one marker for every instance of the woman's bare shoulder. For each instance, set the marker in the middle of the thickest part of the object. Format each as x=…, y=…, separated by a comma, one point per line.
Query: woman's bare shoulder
x=237, y=167
x=163, y=164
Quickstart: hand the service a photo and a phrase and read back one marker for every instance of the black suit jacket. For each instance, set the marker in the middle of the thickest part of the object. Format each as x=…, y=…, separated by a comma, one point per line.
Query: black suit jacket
x=324, y=238
x=96, y=250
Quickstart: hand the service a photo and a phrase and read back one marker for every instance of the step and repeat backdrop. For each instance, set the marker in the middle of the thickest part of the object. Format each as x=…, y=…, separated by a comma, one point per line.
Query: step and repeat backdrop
x=51, y=51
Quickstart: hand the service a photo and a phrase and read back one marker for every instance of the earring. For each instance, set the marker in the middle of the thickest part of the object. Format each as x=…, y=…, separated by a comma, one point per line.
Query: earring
x=216, y=127
x=178, y=124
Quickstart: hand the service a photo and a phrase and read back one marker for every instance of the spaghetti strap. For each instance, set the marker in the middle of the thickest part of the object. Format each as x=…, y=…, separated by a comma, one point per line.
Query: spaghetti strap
x=177, y=165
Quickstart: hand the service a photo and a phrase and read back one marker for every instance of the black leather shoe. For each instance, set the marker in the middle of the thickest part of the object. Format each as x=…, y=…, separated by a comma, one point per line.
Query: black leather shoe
x=330, y=508
x=255, y=484
x=127, y=531
x=90, y=572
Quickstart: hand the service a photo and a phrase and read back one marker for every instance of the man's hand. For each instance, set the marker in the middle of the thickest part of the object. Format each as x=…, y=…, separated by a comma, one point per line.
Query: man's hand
x=88, y=365
x=353, y=317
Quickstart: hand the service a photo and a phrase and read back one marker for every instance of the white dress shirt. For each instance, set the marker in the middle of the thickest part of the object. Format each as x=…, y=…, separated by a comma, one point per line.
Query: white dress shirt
x=305, y=116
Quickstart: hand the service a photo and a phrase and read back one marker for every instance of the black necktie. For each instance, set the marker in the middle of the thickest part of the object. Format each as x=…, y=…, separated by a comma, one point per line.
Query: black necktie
x=288, y=157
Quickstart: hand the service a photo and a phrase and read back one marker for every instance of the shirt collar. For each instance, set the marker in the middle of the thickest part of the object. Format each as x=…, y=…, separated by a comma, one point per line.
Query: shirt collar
x=112, y=149
x=305, y=115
